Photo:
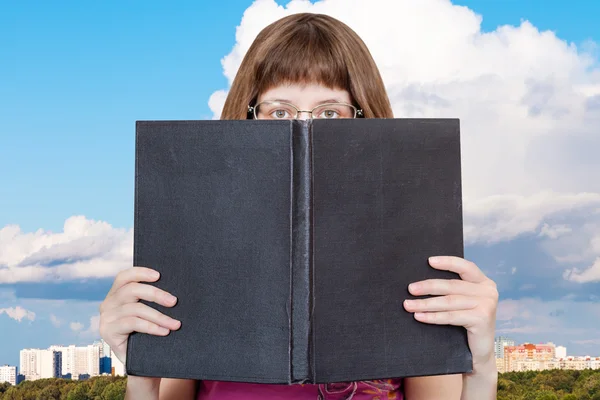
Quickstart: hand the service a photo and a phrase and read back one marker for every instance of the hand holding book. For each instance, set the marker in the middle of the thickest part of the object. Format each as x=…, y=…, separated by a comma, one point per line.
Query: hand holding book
x=470, y=302
x=121, y=312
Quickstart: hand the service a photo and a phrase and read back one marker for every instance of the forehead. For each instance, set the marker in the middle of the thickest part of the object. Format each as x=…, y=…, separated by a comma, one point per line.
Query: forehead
x=305, y=95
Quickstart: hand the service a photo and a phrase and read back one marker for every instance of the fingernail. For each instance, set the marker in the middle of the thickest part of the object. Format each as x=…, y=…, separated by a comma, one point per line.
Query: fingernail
x=154, y=274
x=171, y=299
x=419, y=315
x=409, y=302
x=413, y=286
x=434, y=260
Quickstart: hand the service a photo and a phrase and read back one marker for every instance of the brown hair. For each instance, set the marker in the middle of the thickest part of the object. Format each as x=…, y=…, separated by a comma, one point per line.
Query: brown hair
x=308, y=48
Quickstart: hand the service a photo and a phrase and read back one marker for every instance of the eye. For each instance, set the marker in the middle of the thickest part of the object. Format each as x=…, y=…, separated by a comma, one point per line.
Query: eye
x=275, y=110
x=333, y=111
x=280, y=114
x=329, y=114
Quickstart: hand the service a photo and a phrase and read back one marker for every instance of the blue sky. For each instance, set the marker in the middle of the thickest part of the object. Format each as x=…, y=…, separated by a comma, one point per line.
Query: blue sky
x=74, y=79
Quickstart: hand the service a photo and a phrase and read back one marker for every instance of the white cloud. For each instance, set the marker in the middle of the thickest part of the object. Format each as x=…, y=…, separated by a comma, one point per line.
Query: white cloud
x=55, y=320
x=66, y=314
x=92, y=330
x=509, y=309
x=595, y=244
x=590, y=274
x=529, y=103
x=504, y=217
x=18, y=313
x=76, y=326
x=94, y=327
x=578, y=250
x=85, y=249
x=216, y=102
x=554, y=231
x=531, y=316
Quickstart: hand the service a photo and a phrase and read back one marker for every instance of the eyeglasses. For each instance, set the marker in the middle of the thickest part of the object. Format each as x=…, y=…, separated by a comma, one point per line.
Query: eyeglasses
x=280, y=110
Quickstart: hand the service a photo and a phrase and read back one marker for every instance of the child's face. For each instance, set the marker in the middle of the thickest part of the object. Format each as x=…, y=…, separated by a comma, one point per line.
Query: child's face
x=305, y=97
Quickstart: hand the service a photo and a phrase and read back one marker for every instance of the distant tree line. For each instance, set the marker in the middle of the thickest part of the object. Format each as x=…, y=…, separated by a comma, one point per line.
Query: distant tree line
x=543, y=385
x=97, y=388
x=549, y=385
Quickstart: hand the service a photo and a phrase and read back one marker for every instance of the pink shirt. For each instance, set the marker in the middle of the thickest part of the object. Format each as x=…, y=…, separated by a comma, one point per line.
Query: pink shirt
x=389, y=389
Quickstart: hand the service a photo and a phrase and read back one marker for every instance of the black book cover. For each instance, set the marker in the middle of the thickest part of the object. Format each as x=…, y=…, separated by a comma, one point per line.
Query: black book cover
x=290, y=246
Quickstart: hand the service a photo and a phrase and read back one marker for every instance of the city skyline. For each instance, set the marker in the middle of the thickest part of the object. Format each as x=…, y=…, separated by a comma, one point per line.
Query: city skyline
x=59, y=361
x=36, y=363
x=511, y=357
x=524, y=79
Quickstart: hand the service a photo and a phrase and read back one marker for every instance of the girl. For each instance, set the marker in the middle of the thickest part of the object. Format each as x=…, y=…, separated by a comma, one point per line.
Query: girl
x=314, y=66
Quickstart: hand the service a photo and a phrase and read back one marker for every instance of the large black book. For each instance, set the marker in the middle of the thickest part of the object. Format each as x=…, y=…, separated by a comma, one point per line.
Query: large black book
x=290, y=246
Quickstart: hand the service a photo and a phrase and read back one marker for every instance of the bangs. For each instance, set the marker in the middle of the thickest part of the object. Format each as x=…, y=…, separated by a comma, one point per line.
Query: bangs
x=305, y=55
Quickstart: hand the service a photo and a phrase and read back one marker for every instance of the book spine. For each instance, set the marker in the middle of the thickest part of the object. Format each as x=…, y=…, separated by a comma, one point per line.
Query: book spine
x=130, y=355
x=301, y=286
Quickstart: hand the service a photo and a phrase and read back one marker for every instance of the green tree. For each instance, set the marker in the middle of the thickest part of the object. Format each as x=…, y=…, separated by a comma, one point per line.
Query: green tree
x=554, y=380
x=588, y=384
x=97, y=386
x=114, y=391
x=12, y=394
x=4, y=386
x=531, y=394
x=66, y=389
x=569, y=396
x=50, y=392
x=546, y=395
x=507, y=386
x=79, y=392
x=31, y=393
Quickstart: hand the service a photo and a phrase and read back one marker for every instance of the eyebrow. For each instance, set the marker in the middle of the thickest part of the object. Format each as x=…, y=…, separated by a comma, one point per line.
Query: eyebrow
x=279, y=100
x=332, y=100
